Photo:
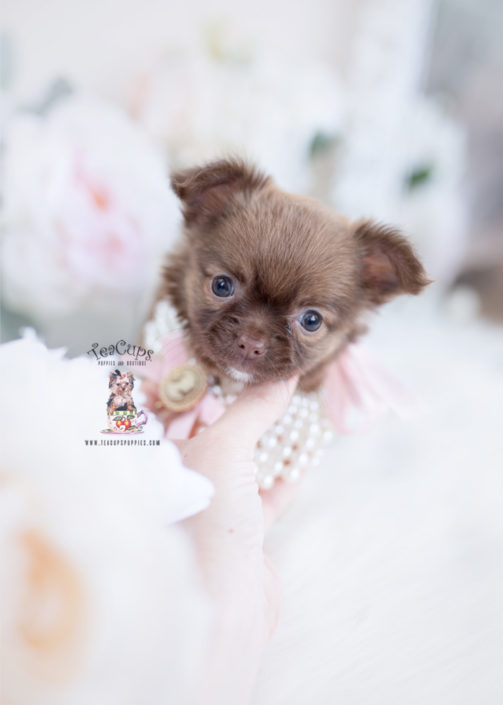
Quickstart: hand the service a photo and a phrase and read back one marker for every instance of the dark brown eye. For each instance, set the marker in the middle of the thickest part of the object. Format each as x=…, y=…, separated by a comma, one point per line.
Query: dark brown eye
x=222, y=286
x=310, y=321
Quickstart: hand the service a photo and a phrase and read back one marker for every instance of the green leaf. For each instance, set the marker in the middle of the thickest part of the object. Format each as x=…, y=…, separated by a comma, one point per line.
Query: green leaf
x=418, y=176
x=320, y=143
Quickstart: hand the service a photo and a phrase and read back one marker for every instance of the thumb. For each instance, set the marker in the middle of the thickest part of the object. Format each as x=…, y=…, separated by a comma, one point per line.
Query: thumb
x=254, y=412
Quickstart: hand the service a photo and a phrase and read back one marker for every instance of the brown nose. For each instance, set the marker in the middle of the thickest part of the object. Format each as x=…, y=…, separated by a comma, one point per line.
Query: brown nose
x=252, y=347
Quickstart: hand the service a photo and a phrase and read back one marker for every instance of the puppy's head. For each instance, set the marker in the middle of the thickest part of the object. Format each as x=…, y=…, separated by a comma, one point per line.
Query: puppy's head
x=121, y=383
x=269, y=284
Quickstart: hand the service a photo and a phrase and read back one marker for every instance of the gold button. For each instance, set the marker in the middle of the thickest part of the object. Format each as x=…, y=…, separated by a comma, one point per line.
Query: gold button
x=183, y=387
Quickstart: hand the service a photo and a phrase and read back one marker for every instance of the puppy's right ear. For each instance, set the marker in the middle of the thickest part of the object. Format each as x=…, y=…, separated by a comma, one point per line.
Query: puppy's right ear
x=208, y=191
x=113, y=377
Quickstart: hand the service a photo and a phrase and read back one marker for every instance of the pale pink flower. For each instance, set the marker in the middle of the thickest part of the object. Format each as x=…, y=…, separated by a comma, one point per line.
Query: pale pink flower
x=88, y=210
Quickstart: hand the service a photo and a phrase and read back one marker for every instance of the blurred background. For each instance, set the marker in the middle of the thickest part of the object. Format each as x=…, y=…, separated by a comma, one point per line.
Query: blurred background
x=388, y=109
x=382, y=108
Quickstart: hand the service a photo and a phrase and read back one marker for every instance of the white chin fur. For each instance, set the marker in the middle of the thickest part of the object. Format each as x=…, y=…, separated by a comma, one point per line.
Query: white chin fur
x=239, y=376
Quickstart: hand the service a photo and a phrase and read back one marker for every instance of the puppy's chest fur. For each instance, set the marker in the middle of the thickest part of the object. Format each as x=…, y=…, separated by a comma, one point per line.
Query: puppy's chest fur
x=120, y=402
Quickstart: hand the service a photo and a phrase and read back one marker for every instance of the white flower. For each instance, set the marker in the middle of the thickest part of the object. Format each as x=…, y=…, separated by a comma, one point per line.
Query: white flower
x=434, y=212
x=100, y=599
x=371, y=181
x=265, y=108
x=87, y=210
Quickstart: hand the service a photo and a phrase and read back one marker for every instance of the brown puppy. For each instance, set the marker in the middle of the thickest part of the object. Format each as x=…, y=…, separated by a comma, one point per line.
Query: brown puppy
x=268, y=284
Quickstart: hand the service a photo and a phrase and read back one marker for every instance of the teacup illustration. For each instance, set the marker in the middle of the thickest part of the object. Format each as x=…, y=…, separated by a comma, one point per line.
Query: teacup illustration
x=124, y=421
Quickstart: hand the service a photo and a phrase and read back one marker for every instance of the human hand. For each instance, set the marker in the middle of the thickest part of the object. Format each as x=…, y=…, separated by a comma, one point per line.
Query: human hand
x=229, y=537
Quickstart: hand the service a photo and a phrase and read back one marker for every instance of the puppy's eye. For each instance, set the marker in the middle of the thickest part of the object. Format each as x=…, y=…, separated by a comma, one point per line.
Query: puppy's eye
x=222, y=286
x=311, y=321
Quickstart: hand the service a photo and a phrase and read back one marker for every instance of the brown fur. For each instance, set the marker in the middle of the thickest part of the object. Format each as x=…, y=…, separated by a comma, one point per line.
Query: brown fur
x=286, y=254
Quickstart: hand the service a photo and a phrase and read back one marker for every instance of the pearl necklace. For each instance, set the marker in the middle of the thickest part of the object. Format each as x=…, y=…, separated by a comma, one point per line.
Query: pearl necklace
x=291, y=445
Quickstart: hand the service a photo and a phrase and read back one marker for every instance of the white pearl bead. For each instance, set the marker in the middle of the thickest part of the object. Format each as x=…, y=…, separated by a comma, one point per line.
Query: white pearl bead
x=265, y=481
x=303, y=459
x=298, y=423
x=287, y=452
x=304, y=413
x=327, y=436
x=314, y=429
x=263, y=457
x=293, y=475
x=287, y=419
x=278, y=467
x=310, y=444
x=293, y=435
x=279, y=429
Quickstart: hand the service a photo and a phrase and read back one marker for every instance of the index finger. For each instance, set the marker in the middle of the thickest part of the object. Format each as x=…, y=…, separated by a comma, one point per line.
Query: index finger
x=254, y=412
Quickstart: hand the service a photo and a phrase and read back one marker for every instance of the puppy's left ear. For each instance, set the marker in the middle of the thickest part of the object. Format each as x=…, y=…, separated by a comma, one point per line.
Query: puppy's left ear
x=389, y=265
x=208, y=191
x=131, y=378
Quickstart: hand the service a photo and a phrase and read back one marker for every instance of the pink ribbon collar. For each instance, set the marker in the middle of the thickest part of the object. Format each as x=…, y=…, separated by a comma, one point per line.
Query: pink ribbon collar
x=356, y=393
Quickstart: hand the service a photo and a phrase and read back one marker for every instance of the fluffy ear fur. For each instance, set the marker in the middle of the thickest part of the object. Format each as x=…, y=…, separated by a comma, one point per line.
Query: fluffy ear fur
x=113, y=377
x=389, y=264
x=131, y=379
x=207, y=191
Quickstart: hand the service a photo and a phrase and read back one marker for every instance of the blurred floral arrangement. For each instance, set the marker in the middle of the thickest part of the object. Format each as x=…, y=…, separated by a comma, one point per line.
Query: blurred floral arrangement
x=223, y=99
x=87, y=210
x=87, y=207
x=419, y=188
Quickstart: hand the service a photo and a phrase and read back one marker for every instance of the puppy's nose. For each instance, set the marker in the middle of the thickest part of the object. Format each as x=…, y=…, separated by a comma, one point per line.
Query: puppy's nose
x=252, y=347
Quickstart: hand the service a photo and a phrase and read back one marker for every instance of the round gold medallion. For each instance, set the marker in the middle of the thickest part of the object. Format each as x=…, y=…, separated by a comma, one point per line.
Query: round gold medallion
x=183, y=387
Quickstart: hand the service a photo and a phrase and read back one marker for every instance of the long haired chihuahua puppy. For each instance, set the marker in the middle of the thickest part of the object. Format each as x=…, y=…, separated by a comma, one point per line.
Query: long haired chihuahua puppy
x=268, y=284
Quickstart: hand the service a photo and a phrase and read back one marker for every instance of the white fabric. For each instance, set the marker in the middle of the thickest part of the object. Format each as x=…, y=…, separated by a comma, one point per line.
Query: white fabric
x=392, y=556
